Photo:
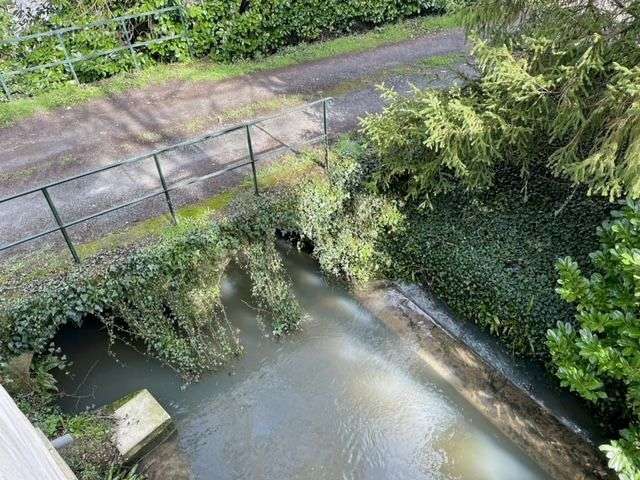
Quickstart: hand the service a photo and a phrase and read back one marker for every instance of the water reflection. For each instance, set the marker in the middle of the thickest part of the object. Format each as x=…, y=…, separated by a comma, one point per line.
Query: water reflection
x=344, y=398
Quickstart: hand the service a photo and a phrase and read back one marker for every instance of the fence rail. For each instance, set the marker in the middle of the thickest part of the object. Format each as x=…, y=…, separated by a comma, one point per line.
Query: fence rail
x=166, y=189
x=70, y=60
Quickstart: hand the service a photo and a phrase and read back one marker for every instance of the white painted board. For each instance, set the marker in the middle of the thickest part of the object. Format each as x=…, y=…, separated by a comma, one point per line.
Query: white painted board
x=25, y=454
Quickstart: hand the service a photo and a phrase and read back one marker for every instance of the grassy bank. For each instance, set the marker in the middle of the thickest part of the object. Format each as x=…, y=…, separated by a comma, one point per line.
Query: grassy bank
x=47, y=262
x=32, y=384
x=199, y=71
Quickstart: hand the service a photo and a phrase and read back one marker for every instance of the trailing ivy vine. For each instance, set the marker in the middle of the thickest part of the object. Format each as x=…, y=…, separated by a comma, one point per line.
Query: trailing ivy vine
x=166, y=296
x=270, y=287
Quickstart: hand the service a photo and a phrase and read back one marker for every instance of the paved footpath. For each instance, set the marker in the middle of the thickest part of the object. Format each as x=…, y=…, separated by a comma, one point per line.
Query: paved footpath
x=69, y=141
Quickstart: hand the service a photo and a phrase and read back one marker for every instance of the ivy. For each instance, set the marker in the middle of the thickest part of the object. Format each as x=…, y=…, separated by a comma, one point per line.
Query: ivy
x=490, y=255
x=166, y=296
x=347, y=224
x=556, y=99
x=270, y=286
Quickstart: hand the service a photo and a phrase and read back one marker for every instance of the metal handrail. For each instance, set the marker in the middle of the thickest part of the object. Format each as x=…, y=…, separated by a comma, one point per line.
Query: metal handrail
x=175, y=146
x=167, y=189
x=70, y=60
x=75, y=28
x=101, y=53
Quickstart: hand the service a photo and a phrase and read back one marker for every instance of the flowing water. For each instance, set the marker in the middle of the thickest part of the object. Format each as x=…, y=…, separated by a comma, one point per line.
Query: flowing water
x=345, y=398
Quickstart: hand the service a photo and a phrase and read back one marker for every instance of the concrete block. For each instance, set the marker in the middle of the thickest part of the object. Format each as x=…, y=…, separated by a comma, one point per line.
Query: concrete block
x=140, y=423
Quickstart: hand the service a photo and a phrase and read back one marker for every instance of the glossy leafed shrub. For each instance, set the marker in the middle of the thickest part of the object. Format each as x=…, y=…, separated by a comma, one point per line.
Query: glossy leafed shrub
x=599, y=356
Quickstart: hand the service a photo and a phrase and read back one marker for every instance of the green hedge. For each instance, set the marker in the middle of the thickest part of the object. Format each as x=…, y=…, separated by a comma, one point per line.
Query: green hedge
x=218, y=29
x=267, y=25
x=491, y=256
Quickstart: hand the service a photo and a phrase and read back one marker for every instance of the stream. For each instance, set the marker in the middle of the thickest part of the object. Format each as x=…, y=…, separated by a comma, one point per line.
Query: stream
x=344, y=398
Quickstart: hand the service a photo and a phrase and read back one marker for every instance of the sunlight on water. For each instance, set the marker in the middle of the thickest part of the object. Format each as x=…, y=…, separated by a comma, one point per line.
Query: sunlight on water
x=479, y=455
x=343, y=399
x=312, y=279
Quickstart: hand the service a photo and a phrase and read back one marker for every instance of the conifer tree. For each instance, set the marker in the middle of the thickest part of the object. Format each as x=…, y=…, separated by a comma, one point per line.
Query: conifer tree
x=559, y=88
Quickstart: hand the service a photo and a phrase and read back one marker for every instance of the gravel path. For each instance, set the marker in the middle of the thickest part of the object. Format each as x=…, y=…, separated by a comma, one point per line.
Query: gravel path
x=70, y=141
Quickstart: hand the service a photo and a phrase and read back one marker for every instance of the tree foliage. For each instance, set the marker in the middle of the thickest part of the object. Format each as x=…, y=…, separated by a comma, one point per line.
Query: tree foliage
x=559, y=87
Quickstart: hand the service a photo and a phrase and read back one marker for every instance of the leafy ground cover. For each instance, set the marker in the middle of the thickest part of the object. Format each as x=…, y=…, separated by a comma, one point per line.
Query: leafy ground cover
x=491, y=255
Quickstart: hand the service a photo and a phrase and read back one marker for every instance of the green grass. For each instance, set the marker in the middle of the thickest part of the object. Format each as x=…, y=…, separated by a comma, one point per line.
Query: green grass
x=194, y=71
x=442, y=61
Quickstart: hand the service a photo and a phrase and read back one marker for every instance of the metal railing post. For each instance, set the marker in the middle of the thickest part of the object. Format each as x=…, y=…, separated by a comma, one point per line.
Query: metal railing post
x=67, y=57
x=63, y=227
x=325, y=127
x=58, y=220
x=167, y=196
x=125, y=32
x=252, y=158
x=5, y=87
